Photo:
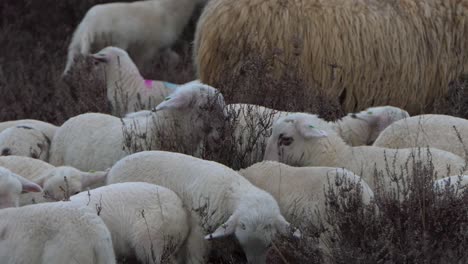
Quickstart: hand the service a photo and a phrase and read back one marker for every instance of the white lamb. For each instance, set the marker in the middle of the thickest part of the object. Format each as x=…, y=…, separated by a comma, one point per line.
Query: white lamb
x=252, y=126
x=300, y=191
x=24, y=141
x=127, y=90
x=364, y=127
x=11, y=187
x=145, y=220
x=435, y=131
x=458, y=183
x=144, y=28
x=306, y=140
x=51, y=178
x=93, y=141
x=54, y=233
x=46, y=128
x=217, y=196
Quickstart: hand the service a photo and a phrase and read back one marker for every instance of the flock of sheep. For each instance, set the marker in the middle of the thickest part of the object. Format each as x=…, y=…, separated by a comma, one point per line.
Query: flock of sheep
x=77, y=194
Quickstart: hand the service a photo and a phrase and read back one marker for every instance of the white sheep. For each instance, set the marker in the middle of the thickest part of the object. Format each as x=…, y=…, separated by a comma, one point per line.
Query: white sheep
x=459, y=183
x=217, y=196
x=251, y=126
x=364, y=127
x=300, y=191
x=435, y=131
x=144, y=28
x=51, y=178
x=127, y=90
x=145, y=220
x=306, y=140
x=54, y=233
x=11, y=187
x=95, y=141
x=24, y=141
x=47, y=128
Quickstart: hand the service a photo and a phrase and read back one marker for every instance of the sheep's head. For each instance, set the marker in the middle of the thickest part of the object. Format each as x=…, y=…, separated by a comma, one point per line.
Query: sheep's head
x=255, y=226
x=378, y=118
x=203, y=105
x=62, y=182
x=291, y=137
x=11, y=187
x=116, y=62
x=24, y=141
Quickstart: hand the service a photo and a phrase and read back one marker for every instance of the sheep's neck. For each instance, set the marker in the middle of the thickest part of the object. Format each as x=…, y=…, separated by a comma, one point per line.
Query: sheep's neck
x=327, y=152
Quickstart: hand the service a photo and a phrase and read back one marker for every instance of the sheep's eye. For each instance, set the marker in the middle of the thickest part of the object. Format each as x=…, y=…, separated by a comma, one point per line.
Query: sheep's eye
x=285, y=141
x=6, y=152
x=34, y=155
x=76, y=193
x=242, y=225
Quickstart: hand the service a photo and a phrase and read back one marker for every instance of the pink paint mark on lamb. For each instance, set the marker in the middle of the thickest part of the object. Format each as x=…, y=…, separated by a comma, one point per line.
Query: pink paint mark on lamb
x=149, y=84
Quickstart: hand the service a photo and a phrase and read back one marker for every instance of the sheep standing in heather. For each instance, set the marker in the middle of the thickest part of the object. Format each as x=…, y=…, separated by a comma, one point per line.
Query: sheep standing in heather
x=54, y=233
x=127, y=90
x=306, y=140
x=435, y=131
x=145, y=220
x=402, y=53
x=219, y=199
x=301, y=191
x=58, y=183
x=251, y=126
x=144, y=28
x=11, y=187
x=192, y=114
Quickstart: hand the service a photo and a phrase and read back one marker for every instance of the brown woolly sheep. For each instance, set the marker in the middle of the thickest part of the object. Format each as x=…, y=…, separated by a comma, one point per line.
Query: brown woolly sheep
x=364, y=52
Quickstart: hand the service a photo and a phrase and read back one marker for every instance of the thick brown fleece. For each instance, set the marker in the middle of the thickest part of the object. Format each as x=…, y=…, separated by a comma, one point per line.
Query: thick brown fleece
x=367, y=52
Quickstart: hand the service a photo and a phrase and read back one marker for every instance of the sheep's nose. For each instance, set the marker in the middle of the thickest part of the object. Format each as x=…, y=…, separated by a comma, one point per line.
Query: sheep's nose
x=6, y=152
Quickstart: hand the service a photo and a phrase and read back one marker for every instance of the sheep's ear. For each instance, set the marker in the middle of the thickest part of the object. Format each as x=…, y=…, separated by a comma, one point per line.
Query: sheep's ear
x=310, y=131
x=28, y=186
x=175, y=101
x=90, y=178
x=225, y=229
x=285, y=228
x=99, y=57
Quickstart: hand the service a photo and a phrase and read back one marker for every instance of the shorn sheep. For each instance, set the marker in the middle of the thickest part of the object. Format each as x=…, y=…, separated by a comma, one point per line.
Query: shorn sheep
x=306, y=140
x=127, y=90
x=251, y=126
x=144, y=28
x=47, y=128
x=402, y=53
x=300, y=191
x=145, y=220
x=11, y=187
x=54, y=233
x=24, y=141
x=364, y=127
x=435, y=131
x=218, y=198
x=93, y=141
x=58, y=183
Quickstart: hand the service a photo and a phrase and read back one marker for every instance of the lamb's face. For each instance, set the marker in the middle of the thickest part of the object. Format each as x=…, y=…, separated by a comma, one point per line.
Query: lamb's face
x=204, y=106
x=114, y=60
x=291, y=137
x=62, y=182
x=379, y=118
x=24, y=141
x=255, y=239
